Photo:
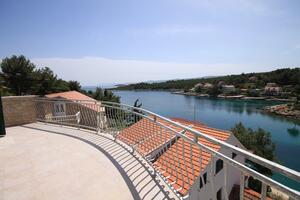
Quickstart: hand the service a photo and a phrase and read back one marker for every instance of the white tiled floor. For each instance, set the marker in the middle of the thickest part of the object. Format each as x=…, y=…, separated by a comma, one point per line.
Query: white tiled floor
x=40, y=161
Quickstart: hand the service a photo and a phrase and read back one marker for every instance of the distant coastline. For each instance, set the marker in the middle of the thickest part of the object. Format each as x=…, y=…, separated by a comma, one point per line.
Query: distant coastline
x=242, y=97
x=282, y=107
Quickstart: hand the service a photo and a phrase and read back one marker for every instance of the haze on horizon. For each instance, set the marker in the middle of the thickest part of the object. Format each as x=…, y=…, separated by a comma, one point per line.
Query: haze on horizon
x=132, y=41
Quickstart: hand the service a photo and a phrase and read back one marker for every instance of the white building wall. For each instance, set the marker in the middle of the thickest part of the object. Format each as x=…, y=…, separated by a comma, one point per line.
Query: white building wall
x=216, y=181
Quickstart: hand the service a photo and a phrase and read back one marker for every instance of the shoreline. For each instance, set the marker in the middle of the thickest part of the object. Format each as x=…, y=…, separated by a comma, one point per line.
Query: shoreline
x=268, y=109
x=241, y=97
x=283, y=110
x=288, y=114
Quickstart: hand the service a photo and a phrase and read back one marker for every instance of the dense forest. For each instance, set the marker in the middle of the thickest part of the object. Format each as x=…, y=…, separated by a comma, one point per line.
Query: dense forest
x=283, y=77
x=19, y=76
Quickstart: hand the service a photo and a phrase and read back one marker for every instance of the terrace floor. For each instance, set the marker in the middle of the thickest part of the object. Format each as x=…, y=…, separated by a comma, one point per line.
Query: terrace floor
x=39, y=161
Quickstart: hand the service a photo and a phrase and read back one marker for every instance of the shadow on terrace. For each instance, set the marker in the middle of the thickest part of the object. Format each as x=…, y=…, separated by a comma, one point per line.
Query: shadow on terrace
x=54, y=162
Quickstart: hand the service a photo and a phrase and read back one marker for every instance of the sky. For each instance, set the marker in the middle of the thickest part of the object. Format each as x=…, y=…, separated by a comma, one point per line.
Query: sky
x=132, y=40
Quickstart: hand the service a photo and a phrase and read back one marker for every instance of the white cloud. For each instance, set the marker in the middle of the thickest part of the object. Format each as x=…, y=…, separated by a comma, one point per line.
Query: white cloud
x=95, y=70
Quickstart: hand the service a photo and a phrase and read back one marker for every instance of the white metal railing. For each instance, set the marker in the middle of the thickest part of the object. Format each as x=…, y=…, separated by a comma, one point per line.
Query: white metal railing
x=152, y=135
x=64, y=118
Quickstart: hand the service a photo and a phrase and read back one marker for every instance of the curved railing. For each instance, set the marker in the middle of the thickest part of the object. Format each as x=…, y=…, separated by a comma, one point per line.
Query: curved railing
x=180, y=154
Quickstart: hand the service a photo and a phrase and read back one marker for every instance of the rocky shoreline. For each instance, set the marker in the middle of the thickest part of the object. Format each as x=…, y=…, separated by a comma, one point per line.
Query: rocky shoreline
x=285, y=110
x=243, y=97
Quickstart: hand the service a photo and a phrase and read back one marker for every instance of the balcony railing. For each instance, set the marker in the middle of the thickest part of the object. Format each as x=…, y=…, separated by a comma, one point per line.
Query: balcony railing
x=175, y=151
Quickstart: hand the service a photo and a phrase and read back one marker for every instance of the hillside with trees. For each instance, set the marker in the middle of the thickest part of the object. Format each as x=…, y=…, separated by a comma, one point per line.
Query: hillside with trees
x=287, y=78
x=19, y=76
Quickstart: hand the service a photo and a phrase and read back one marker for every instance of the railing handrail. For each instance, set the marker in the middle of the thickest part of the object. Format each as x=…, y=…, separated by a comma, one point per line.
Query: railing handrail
x=45, y=99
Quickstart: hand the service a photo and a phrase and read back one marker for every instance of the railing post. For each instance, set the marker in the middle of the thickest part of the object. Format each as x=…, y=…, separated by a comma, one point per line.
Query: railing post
x=98, y=122
x=196, y=138
x=2, y=124
x=212, y=184
x=263, y=191
x=242, y=185
x=154, y=119
x=78, y=118
x=225, y=181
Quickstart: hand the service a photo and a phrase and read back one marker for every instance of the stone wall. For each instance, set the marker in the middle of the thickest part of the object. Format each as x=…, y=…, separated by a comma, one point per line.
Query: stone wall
x=18, y=110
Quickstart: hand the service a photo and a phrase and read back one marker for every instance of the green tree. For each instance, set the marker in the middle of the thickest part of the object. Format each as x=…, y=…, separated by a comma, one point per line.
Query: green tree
x=18, y=74
x=198, y=89
x=260, y=143
x=98, y=94
x=104, y=95
x=61, y=86
x=214, y=91
x=74, y=85
x=45, y=81
x=109, y=96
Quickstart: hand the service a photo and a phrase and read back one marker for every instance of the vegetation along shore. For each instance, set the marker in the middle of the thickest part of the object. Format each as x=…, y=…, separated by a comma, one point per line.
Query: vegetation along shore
x=280, y=85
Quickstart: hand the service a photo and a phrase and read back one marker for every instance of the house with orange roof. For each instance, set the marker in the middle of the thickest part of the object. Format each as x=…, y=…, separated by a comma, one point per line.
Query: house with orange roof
x=189, y=171
x=71, y=95
x=64, y=105
x=214, y=168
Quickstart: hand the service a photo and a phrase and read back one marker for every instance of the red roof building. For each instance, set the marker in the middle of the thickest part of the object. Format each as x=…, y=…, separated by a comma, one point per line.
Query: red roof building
x=189, y=170
x=71, y=95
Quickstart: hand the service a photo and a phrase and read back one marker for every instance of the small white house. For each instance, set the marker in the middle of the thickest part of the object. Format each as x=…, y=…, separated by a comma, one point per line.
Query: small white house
x=228, y=88
x=272, y=89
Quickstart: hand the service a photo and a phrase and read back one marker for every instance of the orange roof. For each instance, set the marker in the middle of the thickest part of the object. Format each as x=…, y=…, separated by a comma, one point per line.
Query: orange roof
x=250, y=194
x=77, y=96
x=187, y=168
x=71, y=95
x=145, y=135
x=178, y=166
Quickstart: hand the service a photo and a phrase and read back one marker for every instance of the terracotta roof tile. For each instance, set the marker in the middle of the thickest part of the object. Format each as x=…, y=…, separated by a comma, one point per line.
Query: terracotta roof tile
x=250, y=194
x=77, y=96
x=71, y=95
x=176, y=163
x=145, y=135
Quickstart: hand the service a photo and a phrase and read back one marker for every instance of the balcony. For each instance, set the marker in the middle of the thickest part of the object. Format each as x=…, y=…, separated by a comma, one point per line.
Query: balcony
x=103, y=150
x=53, y=162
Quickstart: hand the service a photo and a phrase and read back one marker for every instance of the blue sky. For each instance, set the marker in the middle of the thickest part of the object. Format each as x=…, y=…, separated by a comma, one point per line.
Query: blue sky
x=133, y=40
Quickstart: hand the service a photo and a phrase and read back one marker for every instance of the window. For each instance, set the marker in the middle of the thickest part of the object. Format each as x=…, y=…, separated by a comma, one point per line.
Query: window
x=57, y=108
x=219, y=194
x=201, y=183
x=62, y=108
x=233, y=155
x=205, y=177
x=219, y=165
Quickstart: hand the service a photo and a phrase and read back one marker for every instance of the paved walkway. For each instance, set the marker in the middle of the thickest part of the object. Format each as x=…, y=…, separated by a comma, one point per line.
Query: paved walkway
x=40, y=161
